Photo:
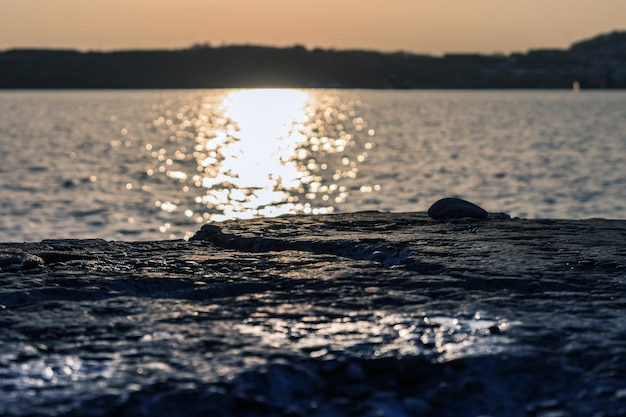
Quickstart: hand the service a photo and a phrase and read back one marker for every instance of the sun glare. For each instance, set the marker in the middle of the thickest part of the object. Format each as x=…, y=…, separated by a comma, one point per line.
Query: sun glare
x=242, y=154
x=267, y=137
x=252, y=167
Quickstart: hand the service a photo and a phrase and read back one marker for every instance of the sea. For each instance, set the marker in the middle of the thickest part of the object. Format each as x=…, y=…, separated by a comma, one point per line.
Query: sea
x=157, y=164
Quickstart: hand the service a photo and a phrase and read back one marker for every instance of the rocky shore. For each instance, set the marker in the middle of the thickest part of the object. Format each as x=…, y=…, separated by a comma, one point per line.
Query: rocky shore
x=363, y=314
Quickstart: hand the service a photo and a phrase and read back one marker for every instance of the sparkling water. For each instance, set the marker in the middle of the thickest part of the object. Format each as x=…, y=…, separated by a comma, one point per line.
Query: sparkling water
x=144, y=165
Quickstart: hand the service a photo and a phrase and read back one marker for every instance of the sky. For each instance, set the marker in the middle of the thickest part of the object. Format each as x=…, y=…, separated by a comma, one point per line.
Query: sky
x=417, y=26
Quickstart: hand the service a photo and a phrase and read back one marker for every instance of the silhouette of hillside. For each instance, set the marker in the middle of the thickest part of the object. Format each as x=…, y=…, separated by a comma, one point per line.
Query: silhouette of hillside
x=599, y=62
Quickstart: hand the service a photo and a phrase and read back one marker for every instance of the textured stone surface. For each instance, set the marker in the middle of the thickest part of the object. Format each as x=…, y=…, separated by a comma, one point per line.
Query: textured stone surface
x=352, y=314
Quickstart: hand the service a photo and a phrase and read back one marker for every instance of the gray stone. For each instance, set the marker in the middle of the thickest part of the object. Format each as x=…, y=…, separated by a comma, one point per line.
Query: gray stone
x=234, y=323
x=455, y=208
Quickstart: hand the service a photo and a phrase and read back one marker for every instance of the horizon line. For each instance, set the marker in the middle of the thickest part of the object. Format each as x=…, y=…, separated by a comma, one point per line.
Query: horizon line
x=209, y=44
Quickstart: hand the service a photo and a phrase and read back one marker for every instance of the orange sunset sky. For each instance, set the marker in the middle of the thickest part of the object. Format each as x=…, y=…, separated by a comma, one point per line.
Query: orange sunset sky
x=420, y=26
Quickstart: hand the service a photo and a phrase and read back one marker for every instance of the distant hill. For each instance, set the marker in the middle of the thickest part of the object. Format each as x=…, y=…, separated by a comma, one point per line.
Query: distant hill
x=599, y=62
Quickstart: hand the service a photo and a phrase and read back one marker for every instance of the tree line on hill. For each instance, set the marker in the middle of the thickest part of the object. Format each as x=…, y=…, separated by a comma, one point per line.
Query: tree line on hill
x=599, y=62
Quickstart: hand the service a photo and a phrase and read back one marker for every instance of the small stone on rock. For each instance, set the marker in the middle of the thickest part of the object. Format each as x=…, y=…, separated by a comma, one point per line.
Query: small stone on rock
x=455, y=208
x=207, y=232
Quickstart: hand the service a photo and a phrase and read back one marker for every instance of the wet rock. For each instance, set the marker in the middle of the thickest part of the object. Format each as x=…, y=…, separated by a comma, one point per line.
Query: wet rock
x=417, y=407
x=361, y=390
x=621, y=394
x=534, y=287
x=455, y=208
x=473, y=386
x=293, y=412
x=555, y=413
x=353, y=314
x=354, y=373
x=50, y=257
x=19, y=261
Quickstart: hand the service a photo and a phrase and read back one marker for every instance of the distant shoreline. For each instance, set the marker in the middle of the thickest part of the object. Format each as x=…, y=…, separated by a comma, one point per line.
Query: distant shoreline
x=597, y=63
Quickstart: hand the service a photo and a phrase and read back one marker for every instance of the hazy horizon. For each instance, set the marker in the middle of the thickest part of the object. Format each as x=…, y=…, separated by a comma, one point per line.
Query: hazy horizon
x=415, y=26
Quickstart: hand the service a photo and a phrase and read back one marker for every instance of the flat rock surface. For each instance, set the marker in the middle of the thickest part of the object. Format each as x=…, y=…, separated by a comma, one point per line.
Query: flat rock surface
x=364, y=314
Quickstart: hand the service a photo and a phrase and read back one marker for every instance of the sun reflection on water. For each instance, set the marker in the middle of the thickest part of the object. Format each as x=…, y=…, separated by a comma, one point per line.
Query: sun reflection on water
x=259, y=152
x=250, y=166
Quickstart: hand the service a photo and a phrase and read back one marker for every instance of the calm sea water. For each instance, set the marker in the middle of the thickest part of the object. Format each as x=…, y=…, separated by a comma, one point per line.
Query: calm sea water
x=143, y=165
